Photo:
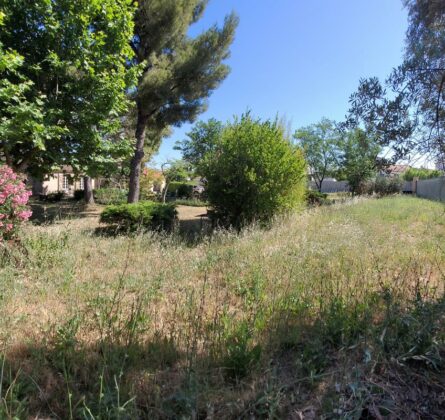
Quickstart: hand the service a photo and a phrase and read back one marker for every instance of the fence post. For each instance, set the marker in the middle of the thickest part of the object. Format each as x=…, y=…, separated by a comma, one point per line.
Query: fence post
x=414, y=185
x=442, y=189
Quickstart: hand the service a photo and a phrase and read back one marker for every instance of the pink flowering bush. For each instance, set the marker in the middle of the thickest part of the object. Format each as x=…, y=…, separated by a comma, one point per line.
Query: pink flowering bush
x=13, y=203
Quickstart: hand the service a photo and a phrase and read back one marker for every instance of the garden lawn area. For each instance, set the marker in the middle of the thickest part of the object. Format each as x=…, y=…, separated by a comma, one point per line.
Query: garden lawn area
x=337, y=311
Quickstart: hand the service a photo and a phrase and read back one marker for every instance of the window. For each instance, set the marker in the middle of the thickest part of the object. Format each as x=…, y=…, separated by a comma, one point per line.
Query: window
x=65, y=182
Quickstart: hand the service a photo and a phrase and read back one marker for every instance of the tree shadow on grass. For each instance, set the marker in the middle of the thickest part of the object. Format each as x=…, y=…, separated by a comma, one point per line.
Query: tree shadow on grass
x=62, y=377
x=190, y=232
x=48, y=213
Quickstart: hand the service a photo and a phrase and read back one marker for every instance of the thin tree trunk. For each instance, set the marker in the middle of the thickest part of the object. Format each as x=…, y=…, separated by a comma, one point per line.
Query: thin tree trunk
x=164, y=194
x=88, y=190
x=136, y=161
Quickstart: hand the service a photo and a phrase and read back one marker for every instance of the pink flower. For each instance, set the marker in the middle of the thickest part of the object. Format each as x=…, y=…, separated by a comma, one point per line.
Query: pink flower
x=24, y=214
x=13, y=199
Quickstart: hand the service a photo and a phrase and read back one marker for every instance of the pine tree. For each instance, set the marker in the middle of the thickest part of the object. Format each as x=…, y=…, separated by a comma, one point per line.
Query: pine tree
x=179, y=72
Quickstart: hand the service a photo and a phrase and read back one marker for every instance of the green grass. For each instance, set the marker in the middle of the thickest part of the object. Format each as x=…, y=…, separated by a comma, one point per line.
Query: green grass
x=193, y=202
x=337, y=311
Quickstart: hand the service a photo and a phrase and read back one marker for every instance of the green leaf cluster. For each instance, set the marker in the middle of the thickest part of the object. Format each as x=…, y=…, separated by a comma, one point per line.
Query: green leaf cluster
x=254, y=172
x=142, y=215
x=421, y=173
x=62, y=95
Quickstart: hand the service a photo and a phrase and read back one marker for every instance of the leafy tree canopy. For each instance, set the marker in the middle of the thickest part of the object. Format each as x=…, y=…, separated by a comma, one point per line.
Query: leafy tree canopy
x=70, y=77
x=407, y=112
x=359, y=161
x=421, y=173
x=202, y=139
x=320, y=145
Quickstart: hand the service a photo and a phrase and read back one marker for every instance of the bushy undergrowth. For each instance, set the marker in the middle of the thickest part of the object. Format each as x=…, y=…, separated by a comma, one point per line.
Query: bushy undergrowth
x=329, y=314
x=110, y=196
x=384, y=185
x=316, y=198
x=141, y=215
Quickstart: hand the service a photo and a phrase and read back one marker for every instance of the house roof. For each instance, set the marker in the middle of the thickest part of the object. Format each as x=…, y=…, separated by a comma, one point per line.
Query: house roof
x=396, y=169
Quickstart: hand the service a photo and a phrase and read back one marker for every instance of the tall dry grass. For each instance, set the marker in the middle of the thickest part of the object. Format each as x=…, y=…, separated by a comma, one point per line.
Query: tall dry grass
x=264, y=323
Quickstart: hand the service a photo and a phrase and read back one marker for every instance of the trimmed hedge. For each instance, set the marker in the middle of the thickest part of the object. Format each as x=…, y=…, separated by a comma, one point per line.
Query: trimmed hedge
x=142, y=215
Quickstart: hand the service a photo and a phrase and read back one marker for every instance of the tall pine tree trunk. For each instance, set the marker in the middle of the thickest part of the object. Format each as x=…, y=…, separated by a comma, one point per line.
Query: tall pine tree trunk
x=88, y=190
x=136, y=161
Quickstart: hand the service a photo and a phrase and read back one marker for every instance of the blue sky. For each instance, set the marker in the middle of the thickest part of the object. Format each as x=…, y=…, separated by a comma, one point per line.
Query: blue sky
x=300, y=59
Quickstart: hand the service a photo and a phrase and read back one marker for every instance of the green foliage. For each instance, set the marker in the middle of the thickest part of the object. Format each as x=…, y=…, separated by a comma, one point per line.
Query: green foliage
x=385, y=185
x=316, y=198
x=406, y=112
x=241, y=354
x=174, y=186
x=194, y=202
x=202, y=139
x=412, y=335
x=180, y=72
x=254, y=173
x=359, y=160
x=184, y=191
x=142, y=215
x=110, y=196
x=320, y=144
x=65, y=84
x=176, y=171
x=421, y=173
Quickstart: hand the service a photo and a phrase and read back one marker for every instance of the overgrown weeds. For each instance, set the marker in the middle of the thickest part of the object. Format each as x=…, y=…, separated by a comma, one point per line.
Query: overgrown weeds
x=336, y=313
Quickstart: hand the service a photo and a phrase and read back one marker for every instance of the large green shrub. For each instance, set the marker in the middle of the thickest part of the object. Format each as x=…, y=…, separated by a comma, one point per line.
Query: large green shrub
x=387, y=185
x=141, y=215
x=110, y=196
x=253, y=173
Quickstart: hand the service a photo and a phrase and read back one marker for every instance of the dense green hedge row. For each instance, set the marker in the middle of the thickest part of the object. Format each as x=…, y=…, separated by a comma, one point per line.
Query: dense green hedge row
x=142, y=215
x=421, y=173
